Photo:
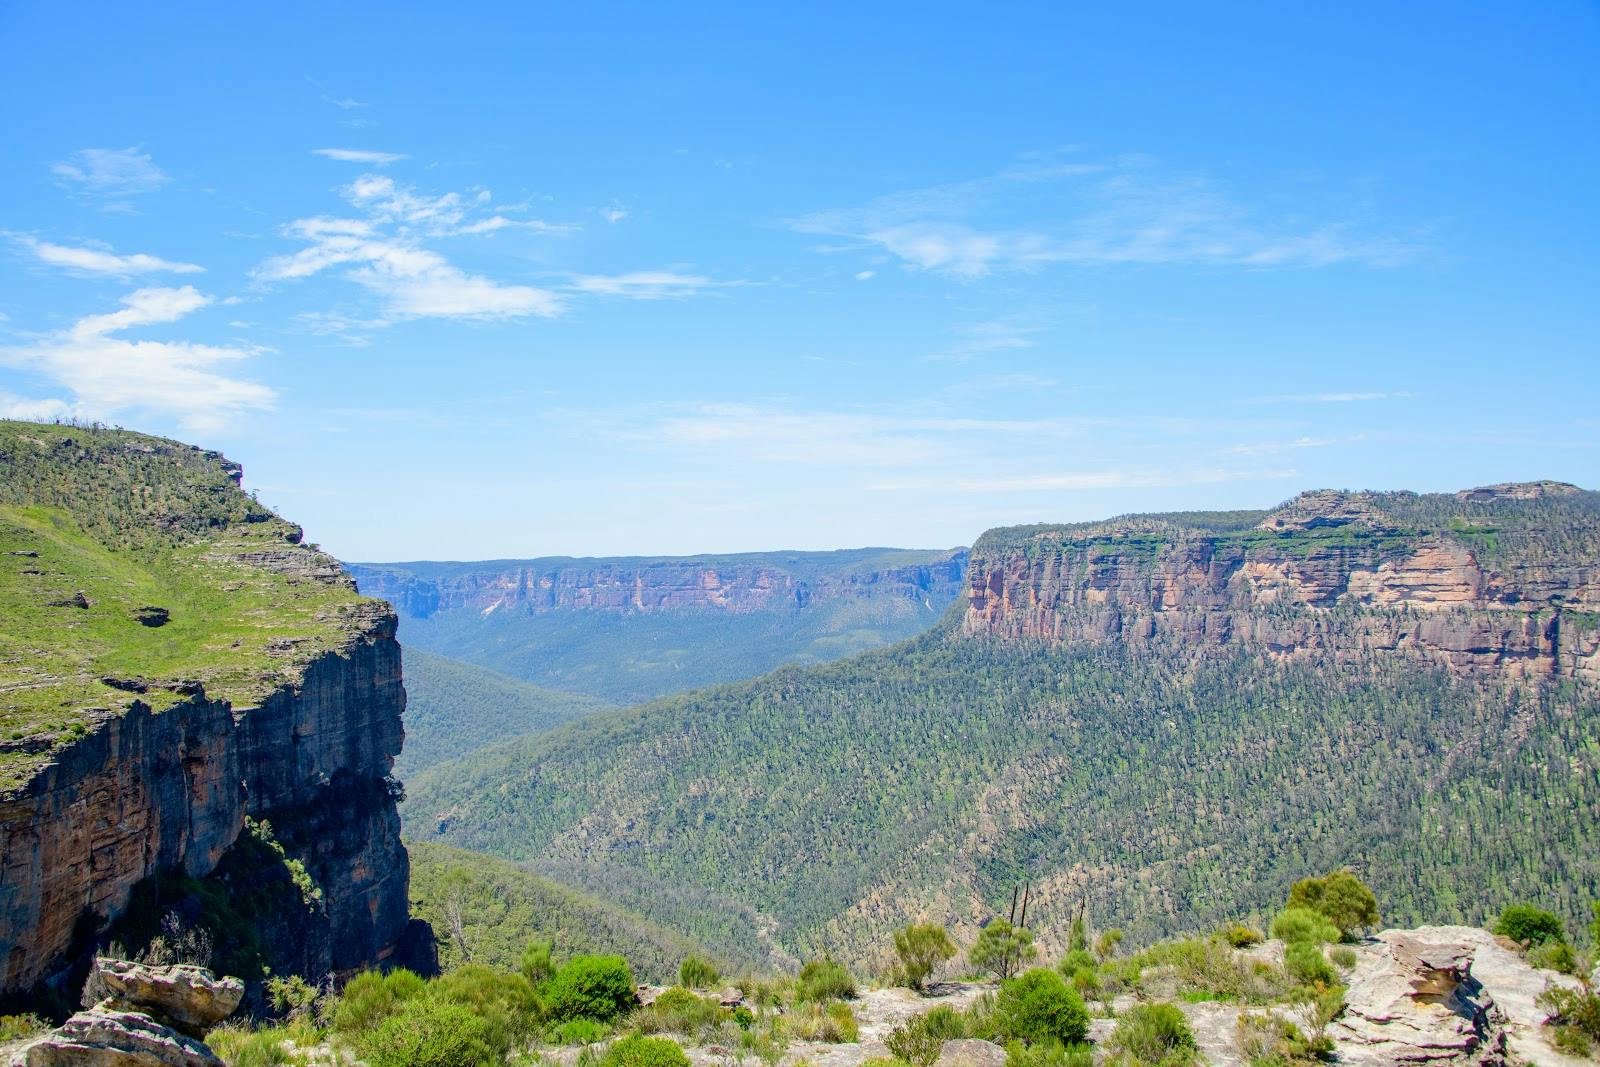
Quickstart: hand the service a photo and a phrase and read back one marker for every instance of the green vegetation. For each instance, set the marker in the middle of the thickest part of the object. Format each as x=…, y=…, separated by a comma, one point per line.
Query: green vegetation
x=1296, y=925
x=629, y=656
x=1528, y=925
x=638, y=1051
x=590, y=987
x=823, y=980
x=101, y=528
x=1039, y=1006
x=1152, y=1034
x=1178, y=774
x=697, y=973
x=921, y=947
x=453, y=708
x=503, y=908
x=1342, y=898
x=1002, y=948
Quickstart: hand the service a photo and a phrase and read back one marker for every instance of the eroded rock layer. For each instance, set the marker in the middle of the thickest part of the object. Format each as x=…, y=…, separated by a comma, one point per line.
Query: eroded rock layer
x=1498, y=581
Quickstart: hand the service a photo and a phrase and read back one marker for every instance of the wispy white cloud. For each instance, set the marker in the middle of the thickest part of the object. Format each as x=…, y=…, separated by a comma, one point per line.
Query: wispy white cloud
x=102, y=260
x=360, y=155
x=110, y=172
x=385, y=253
x=614, y=214
x=985, y=338
x=108, y=374
x=647, y=284
x=1273, y=448
x=1125, y=212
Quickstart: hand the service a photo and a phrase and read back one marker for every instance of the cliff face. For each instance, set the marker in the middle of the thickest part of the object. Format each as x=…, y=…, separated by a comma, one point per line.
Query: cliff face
x=281, y=700
x=1500, y=581
x=734, y=584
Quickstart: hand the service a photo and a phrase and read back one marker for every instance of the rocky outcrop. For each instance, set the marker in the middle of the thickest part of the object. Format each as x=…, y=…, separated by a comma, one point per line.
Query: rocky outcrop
x=1500, y=582
x=1452, y=994
x=152, y=1017
x=735, y=584
x=293, y=718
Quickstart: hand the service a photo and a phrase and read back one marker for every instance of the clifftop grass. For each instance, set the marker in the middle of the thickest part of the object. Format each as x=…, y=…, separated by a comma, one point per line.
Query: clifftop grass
x=101, y=532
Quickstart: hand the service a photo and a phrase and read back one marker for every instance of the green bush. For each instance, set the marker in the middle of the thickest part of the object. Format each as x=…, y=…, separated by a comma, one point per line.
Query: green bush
x=1206, y=968
x=1268, y=1040
x=1307, y=965
x=430, y=1032
x=921, y=948
x=1002, y=948
x=678, y=1011
x=1341, y=897
x=640, y=1051
x=15, y=1027
x=1048, y=1054
x=1574, y=1010
x=914, y=1043
x=1240, y=936
x=370, y=997
x=239, y=1047
x=1554, y=956
x=696, y=973
x=1304, y=924
x=536, y=966
x=505, y=1002
x=1528, y=925
x=1040, y=1006
x=578, y=1032
x=1154, y=1034
x=590, y=987
x=1343, y=957
x=829, y=1021
x=825, y=980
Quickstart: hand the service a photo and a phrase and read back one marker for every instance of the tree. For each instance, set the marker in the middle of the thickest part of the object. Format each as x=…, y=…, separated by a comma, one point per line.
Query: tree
x=1342, y=897
x=536, y=965
x=922, y=947
x=1528, y=925
x=1040, y=1006
x=455, y=902
x=1001, y=948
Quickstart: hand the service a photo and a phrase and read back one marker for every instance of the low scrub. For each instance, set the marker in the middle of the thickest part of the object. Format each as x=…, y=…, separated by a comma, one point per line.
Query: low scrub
x=832, y=1022
x=1153, y=1034
x=641, y=1051
x=825, y=979
x=1039, y=1006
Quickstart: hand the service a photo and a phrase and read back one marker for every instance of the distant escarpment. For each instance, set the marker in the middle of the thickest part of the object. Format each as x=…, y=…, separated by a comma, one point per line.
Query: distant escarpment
x=628, y=629
x=175, y=665
x=1501, y=581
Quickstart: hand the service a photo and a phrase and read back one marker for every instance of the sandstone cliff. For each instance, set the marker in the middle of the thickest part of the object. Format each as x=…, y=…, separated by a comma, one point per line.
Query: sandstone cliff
x=736, y=584
x=1501, y=581
x=209, y=667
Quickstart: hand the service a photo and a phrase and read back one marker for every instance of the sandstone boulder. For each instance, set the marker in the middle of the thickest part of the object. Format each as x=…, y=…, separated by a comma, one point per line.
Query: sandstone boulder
x=191, y=998
x=105, y=1037
x=970, y=1052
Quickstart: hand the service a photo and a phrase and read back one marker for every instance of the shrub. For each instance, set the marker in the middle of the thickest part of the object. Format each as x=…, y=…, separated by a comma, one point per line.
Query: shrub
x=825, y=980
x=1239, y=935
x=429, y=1032
x=1105, y=946
x=369, y=998
x=1528, y=925
x=696, y=973
x=537, y=967
x=579, y=1032
x=1001, y=948
x=1307, y=965
x=912, y=1042
x=1048, y=1054
x=743, y=1017
x=921, y=948
x=1269, y=1040
x=1575, y=1010
x=1208, y=969
x=505, y=1002
x=248, y=1048
x=1040, y=1006
x=292, y=996
x=1341, y=897
x=1343, y=957
x=15, y=1027
x=1154, y=1034
x=590, y=987
x=678, y=1011
x=639, y=1051
x=1555, y=956
x=1304, y=924
x=832, y=1021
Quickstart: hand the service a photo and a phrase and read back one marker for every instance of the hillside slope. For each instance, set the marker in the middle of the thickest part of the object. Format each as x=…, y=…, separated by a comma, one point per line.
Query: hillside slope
x=1171, y=776
x=173, y=661
x=629, y=629
x=453, y=708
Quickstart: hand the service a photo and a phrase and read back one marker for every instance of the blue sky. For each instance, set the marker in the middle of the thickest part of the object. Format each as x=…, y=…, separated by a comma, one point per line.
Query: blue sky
x=477, y=281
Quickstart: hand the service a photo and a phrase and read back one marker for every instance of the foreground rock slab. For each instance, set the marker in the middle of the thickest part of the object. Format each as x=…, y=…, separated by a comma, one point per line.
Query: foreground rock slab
x=103, y=1037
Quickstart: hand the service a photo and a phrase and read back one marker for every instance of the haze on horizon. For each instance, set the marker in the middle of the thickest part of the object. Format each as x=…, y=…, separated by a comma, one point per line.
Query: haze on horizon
x=504, y=282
